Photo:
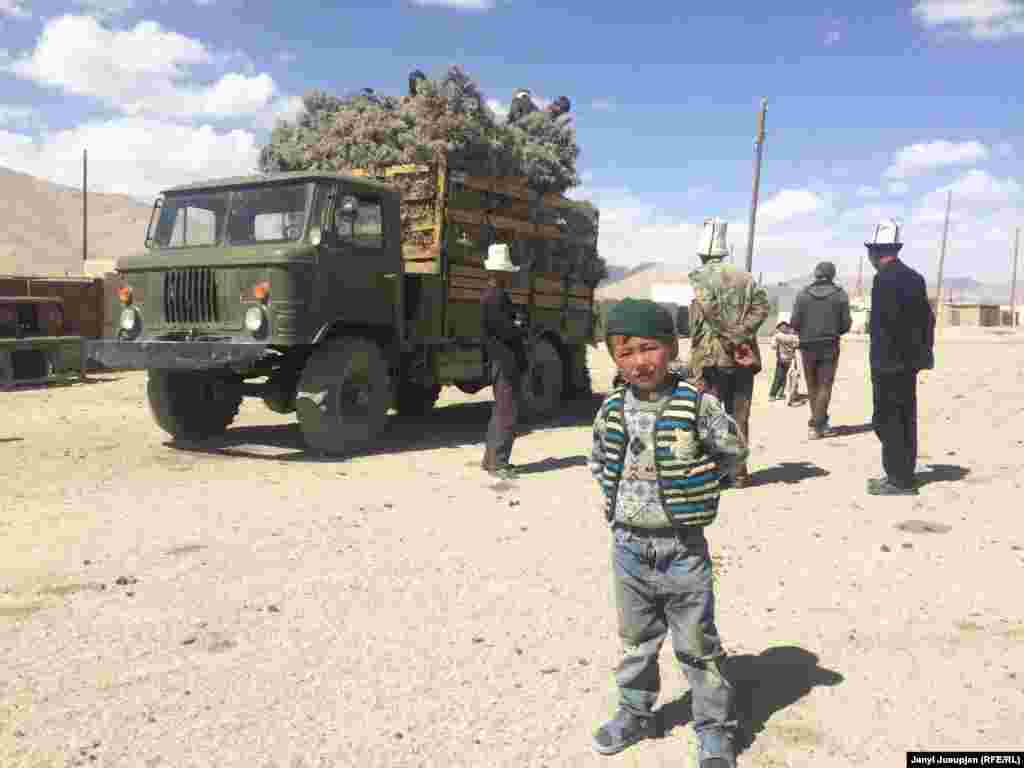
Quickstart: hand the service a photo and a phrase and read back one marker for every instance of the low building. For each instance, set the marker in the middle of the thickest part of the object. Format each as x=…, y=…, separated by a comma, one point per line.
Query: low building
x=1005, y=314
x=973, y=315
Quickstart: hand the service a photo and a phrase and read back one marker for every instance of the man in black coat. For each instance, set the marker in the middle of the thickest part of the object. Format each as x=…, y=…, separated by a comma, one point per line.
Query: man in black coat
x=821, y=314
x=506, y=349
x=902, y=329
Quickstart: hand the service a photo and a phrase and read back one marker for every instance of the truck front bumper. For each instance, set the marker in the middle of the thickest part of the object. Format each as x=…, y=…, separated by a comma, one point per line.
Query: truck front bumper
x=173, y=355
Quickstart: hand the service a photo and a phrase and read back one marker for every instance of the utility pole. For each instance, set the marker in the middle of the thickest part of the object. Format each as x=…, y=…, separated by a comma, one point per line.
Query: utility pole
x=860, y=280
x=1013, y=280
x=758, y=146
x=942, y=258
x=85, y=204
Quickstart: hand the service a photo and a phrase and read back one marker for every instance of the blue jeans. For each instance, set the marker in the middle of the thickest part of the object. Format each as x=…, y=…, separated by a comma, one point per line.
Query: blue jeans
x=664, y=583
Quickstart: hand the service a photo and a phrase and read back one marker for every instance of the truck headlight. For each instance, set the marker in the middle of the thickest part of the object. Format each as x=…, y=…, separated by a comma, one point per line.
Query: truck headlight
x=130, y=320
x=256, y=320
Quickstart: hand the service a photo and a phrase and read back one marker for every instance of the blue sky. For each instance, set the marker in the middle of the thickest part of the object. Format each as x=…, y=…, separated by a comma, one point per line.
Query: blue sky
x=871, y=113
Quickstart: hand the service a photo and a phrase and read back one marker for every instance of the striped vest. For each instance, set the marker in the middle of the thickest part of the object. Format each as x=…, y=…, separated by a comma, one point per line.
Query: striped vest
x=688, y=477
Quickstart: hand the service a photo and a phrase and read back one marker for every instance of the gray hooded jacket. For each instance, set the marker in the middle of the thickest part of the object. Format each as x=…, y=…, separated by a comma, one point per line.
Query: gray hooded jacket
x=821, y=314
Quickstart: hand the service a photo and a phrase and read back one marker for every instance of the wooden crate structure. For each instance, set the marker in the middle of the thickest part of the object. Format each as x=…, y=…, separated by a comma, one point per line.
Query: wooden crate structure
x=84, y=301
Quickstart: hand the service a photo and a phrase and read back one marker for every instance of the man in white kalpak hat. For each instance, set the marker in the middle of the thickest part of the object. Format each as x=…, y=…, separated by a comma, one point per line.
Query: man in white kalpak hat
x=507, y=350
x=902, y=337
x=727, y=310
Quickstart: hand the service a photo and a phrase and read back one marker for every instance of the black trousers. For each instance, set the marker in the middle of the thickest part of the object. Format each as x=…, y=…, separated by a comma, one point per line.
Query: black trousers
x=820, y=375
x=501, y=430
x=779, y=382
x=735, y=388
x=895, y=423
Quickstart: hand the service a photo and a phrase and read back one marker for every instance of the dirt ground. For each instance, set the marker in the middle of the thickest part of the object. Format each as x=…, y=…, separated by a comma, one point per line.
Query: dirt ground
x=246, y=604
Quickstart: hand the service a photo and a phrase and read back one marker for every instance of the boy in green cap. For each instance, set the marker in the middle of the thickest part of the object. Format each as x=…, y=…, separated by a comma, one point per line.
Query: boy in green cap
x=661, y=449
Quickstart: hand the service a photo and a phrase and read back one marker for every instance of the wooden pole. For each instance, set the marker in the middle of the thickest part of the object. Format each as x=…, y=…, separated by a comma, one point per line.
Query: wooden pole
x=1013, y=280
x=85, y=204
x=758, y=146
x=942, y=258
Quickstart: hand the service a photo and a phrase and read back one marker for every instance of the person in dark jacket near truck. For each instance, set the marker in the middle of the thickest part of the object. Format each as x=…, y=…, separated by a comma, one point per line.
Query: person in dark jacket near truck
x=507, y=351
x=821, y=314
x=902, y=328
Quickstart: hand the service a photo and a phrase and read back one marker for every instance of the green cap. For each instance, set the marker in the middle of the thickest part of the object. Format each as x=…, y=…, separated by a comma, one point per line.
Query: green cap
x=640, y=317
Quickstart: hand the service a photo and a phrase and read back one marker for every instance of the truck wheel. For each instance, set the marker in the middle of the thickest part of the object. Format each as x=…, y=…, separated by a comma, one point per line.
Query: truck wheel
x=343, y=396
x=193, y=406
x=415, y=399
x=579, y=373
x=544, y=380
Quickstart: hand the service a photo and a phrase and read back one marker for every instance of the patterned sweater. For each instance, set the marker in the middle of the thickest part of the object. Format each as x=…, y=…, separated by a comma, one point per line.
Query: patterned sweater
x=638, y=501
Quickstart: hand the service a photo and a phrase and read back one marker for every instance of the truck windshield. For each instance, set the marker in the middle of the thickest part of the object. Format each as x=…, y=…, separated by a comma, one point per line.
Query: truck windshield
x=244, y=216
x=268, y=213
x=191, y=219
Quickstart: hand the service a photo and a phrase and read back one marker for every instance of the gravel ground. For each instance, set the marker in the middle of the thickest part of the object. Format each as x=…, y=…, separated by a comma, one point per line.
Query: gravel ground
x=246, y=604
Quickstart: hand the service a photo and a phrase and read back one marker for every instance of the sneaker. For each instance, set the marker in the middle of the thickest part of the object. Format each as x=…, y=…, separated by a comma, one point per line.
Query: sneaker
x=623, y=730
x=715, y=750
x=813, y=434
x=887, y=488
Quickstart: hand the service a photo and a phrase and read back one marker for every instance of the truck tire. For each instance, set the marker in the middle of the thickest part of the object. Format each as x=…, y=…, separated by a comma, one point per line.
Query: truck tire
x=193, y=406
x=544, y=380
x=413, y=400
x=579, y=373
x=343, y=396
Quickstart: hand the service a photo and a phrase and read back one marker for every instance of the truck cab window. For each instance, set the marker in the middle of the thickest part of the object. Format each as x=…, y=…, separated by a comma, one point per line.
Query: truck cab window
x=366, y=230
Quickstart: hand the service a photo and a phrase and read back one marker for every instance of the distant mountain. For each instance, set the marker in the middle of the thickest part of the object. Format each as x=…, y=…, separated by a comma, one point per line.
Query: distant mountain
x=41, y=226
x=619, y=273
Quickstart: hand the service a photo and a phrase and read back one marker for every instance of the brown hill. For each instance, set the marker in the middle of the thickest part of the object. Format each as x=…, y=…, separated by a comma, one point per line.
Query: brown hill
x=41, y=230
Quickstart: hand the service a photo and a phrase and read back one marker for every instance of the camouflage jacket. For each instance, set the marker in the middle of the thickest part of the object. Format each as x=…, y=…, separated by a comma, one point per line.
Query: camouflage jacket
x=728, y=309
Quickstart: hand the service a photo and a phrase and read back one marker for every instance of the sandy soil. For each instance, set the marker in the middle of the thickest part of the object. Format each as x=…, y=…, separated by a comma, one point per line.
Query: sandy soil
x=249, y=605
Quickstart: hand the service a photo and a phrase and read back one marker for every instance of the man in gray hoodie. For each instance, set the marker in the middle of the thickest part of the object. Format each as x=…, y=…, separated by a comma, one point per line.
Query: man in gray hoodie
x=821, y=314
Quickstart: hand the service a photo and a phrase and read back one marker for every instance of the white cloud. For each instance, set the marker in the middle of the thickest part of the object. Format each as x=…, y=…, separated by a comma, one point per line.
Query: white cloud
x=898, y=188
x=979, y=188
x=788, y=204
x=14, y=9
x=141, y=71
x=105, y=8
x=603, y=105
x=458, y=5
x=132, y=155
x=16, y=115
x=919, y=158
x=867, y=191
x=283, y=108
x=976, y=19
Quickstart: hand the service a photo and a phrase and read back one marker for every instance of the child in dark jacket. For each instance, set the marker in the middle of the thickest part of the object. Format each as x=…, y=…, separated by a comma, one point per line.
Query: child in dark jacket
x=784, y=342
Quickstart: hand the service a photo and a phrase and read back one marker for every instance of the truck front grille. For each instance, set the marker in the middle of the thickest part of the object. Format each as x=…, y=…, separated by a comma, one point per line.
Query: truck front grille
x=190, y=296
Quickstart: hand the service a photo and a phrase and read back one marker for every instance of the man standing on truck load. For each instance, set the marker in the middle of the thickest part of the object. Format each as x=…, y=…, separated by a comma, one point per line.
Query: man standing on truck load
x=522, y=105
x=727, y=310
x=507, y=352
x=821, y=314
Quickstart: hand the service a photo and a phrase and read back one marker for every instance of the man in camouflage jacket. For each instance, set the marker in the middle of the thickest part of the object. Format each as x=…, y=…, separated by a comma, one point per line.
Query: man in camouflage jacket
x=725, y=315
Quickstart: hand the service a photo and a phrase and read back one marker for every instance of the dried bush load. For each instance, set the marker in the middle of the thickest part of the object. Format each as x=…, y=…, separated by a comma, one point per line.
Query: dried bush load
x=447, y=119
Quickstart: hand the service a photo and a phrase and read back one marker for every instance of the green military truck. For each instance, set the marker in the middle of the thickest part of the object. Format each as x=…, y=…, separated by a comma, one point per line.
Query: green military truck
x=339, y=296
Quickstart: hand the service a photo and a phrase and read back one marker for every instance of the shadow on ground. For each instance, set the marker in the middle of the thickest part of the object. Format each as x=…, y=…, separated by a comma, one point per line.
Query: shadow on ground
x=551, y=464
x=845, y=430
x=941, y=473
x=446, y=427
x=11, y=439
x=764, y=684
x=17, y=387
x=789, y=472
